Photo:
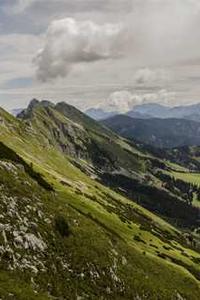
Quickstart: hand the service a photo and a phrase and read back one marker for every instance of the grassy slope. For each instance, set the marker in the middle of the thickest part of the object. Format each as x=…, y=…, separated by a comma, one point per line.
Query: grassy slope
x=188, y=177
x=112, y=236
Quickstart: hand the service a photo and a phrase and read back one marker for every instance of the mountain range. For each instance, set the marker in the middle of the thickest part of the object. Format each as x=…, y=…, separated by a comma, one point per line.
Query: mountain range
x=88, y=214
x=189, y=112
x=161, y=133
x=151, y=110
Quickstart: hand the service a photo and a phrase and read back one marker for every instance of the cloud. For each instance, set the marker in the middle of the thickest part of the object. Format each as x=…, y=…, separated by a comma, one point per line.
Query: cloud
x=69, y=42
x=124, y=101
x=163, y=39
x=163, y=97
x=138, y=36
x=20, y=6
x=147, y=76
x=121, y=101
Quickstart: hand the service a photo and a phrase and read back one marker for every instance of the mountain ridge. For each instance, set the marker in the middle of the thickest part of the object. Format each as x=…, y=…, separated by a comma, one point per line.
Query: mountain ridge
x=85, y=231
x=151, y=110
x=161, y=133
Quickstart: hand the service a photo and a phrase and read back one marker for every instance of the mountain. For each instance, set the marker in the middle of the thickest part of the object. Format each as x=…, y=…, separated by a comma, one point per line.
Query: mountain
x=16, y=111
x=190, y=112
x=99, y=114
x=75, y=213
x=161, y=133
x=187, y=156
x=137, y=115
x=143, y=111
x=153, y=110
x=149, y=111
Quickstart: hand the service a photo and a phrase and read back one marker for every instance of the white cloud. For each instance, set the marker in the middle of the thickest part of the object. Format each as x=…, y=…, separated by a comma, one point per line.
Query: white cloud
x=121, y=101
x=69, y=42
x=146, y=76
x=163, y=97
x=163, y=35
x=124, y=101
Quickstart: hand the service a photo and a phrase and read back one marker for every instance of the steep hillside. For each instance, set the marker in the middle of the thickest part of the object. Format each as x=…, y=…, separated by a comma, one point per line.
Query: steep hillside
x=188, y=156
x=161, y=133
x=105, y=156
x=72, y=237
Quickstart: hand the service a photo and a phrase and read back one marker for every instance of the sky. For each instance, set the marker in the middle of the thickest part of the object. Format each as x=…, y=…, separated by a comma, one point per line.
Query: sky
x=100, y=53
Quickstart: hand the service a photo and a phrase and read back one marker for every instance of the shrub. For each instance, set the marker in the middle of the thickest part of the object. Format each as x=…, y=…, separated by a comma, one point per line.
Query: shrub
x=138, y=239
x=62, y=226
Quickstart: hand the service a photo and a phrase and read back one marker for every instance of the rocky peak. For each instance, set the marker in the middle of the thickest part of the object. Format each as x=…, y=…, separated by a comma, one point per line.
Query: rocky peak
x=46, y=103
x=34, y=103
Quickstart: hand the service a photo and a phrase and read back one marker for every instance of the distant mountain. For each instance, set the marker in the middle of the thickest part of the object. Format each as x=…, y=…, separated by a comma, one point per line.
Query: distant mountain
x=99, y=114
x=143, y=111
x=190, y=112
x=162, y=133
x=16, y=111
x=153, y=110
x=138, y=115
x=150, y=110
